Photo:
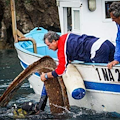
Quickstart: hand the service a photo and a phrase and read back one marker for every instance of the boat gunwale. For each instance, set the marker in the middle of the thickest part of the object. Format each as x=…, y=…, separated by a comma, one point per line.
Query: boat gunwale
x=76, y=62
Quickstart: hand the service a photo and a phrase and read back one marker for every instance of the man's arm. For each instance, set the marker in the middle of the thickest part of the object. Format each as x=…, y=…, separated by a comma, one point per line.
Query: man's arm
x=62, y=58
x=117, y=52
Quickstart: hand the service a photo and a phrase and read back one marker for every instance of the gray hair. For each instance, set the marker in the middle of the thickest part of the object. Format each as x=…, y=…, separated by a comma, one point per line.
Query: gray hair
x=115, y=9
x=51, y=35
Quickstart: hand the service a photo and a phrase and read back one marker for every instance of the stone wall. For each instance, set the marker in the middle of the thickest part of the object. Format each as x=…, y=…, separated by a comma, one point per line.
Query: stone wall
x=29, y=14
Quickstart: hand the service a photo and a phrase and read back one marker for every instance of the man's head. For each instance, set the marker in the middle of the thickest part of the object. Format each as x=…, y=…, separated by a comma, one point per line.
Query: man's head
x=51, y=40
x=115, y=12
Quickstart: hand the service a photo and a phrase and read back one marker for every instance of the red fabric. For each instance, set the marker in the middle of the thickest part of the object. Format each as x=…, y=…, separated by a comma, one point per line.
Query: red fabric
x=61, y=55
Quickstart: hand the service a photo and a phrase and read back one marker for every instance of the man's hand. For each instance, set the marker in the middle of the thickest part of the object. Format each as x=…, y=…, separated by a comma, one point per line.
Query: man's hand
x=113, y=63
x=42, y=76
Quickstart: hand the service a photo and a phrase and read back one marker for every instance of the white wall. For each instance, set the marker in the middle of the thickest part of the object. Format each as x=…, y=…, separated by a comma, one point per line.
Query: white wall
x=93, y=23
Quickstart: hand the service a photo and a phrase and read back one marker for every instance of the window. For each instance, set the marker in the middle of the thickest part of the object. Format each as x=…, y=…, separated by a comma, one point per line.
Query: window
x=73, y=19
x=76, y=19
x=107, y=6
x=69, y=19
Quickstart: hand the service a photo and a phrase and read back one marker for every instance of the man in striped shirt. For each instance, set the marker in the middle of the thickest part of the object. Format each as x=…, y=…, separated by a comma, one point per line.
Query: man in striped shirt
x=77, y=47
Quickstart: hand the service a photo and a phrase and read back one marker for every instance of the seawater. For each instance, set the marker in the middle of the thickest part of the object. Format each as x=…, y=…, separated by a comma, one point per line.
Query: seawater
x=9, y=69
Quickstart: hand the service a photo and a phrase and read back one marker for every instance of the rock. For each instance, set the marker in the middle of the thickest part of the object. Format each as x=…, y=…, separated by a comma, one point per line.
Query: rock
x=29, y=14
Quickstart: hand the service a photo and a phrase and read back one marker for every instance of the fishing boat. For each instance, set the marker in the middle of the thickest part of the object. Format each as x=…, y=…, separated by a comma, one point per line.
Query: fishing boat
x=91, y=17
